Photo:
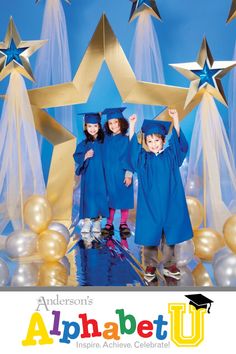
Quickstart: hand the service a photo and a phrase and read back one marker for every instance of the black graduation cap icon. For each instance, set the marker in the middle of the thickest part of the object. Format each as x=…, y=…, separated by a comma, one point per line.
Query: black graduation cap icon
x=199, y=301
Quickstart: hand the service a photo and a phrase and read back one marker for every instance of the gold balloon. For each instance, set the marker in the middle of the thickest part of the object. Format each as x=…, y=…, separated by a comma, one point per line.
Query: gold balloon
x=201, y=276
x=52, y=274
x=52, y=246
x=229, y=231
x=37, y=213
x=195, y=210
x=207, y=242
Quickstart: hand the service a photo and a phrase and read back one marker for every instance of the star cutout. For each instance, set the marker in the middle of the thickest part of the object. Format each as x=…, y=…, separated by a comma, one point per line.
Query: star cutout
x=205, y=74
x=14, y=53
x=140, y=6
x=232, y=12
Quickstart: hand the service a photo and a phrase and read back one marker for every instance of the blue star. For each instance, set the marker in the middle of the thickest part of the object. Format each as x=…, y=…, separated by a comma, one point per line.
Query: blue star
x=206, y=75
x=13, y=53
x=143, y=2
x=143, y=5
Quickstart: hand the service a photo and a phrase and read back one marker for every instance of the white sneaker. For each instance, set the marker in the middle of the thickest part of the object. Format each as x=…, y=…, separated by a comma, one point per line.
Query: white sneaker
x=96, y=226
x=86, y=226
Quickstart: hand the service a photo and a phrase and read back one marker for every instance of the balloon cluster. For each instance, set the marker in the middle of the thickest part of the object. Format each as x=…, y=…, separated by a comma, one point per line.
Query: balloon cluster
x=40, y=274
x=206, y=240
x=47, y=238
x=4, y=273
x=224, y=262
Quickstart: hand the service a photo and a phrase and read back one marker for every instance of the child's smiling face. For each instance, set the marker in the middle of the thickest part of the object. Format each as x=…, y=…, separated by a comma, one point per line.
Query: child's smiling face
x=114, y=125
x=154, y=143
x=92, y=129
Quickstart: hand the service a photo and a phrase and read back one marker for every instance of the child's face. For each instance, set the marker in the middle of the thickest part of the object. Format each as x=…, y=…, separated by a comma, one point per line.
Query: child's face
x=154, y=143
x=92, y=129
x=114, y=125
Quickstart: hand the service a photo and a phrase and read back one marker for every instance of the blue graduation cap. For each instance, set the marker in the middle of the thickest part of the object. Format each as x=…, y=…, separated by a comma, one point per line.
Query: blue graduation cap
x=91, y=118
x=114, y=113
x=155, y=127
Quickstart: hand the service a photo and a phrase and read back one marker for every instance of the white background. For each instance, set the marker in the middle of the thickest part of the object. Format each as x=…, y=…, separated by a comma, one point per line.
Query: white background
x=16, y=309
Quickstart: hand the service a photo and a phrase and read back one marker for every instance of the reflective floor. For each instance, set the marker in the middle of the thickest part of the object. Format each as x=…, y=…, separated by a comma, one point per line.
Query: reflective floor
x=95, y=261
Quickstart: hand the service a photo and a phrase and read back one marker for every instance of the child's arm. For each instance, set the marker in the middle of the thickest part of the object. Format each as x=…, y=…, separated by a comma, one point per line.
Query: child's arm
x=134, y=148
x=129, y=174
x=132, y=122
x=174, y=115
x=178, y=142
x=81, y=157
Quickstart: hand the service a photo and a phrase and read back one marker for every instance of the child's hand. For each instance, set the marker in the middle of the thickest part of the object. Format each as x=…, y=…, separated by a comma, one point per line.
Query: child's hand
x=128, y=181
x=133, y=119
x=89, y=154
x=173, y=114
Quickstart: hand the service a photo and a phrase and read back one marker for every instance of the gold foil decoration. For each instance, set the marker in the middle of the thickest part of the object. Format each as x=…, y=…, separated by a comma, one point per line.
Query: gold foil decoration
x=205, y=58
x=30, y=48
x=149, y=7
x=232, y=12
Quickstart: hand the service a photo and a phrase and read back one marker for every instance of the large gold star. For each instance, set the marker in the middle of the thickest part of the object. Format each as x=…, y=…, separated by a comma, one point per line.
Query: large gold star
x=15, y=53
x=103, y=47
x=205, y=74
x=232, y=12
x=147, y=6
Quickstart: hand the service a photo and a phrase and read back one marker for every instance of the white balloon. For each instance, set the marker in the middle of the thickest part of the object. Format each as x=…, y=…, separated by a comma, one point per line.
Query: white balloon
x=26, y=274
x=21, y=243
x=62, y=229
x=187, y=278
x=225, y=270
x=4, y=273
x=184, y=252
x=221, y=253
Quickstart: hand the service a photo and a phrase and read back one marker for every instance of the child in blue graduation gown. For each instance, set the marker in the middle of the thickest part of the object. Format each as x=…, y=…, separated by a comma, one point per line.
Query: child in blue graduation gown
x=161, y=204
x=89, y=164
x=118, y=179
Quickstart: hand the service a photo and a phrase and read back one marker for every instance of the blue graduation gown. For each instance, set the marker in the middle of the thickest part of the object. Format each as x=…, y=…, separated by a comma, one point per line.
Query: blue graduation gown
x=115, y=153
x=93, y=194
x=161, y=204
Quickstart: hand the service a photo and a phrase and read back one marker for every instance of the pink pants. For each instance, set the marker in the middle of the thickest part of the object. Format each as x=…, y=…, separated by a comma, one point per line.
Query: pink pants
x=124, y=216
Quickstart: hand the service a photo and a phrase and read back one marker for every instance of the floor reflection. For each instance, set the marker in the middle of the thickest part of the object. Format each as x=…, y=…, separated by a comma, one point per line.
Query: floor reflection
x=95, y=261
x=104, y=262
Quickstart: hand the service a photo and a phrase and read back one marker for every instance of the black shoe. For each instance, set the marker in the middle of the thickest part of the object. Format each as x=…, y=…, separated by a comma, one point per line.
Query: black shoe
x=124, y=231
x=108, y=230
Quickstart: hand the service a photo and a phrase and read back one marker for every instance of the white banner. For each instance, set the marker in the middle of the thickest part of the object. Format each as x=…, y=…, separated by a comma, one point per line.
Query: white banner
x=114, y=321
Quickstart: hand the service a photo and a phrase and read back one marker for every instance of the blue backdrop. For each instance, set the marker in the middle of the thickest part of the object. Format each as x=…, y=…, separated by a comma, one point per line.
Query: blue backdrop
x=185, y=22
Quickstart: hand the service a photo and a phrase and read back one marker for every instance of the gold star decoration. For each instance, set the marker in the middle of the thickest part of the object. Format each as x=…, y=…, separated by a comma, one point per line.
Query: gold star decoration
x=205, y=74
x=103, y=47
x=15, y=53
x=232, y=12
x=147, y=6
